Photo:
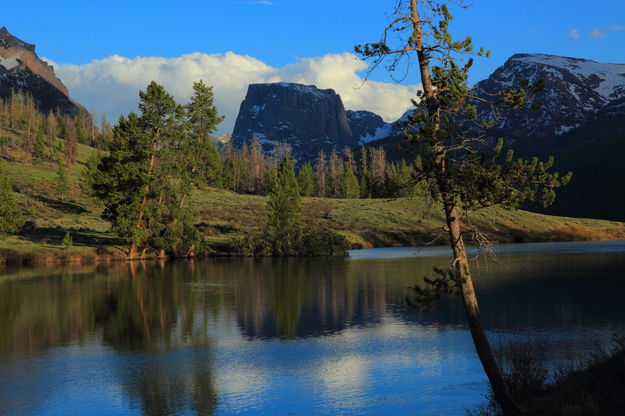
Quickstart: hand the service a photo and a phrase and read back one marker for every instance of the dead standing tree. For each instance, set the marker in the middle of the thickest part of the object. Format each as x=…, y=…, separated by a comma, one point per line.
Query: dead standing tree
x=462, y=171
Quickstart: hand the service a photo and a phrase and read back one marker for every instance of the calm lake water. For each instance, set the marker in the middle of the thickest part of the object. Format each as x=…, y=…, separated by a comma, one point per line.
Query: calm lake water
x=289, y=336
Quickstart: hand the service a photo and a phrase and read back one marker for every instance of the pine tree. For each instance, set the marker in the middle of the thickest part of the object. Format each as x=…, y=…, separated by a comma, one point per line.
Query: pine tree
x=467, y=180
x=61, y=182
x=51, y=129
x=62, y=124
x=320, y=175
x=39, y=150
x=364, y=174
x=335, y=174
x=377, y=172
x=67, y=241
x=350, y=188
x=79, y=127
x=205, y=162
x=10, y=215
x=106, y=131
x=306, y=180
x=284, y=209
x=70, y=145
x=400, y=181
x=144, y=178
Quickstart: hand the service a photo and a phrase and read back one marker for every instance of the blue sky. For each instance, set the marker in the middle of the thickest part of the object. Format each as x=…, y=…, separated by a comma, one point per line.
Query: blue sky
x=279, y=33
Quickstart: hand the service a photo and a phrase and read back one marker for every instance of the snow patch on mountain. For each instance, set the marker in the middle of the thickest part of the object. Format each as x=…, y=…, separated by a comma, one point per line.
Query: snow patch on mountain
x=575, y=91
x=607, y=79
x=9, y=63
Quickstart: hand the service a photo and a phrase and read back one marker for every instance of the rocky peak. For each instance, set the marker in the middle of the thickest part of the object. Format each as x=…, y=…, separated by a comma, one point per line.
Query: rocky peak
x=303, y=116
x=22, y=71
x=575, y=90
x=367, y=126
x=9, y=41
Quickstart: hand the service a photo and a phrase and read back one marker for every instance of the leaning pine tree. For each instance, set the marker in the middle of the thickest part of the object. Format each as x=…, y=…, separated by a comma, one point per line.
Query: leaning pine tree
x=464, y=172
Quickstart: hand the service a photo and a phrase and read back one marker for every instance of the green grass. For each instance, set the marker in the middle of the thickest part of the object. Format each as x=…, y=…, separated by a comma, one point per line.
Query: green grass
x=397, y=222
x=223, y=215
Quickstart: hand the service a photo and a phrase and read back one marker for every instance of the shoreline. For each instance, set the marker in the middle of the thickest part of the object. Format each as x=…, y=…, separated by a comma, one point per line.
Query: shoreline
x=48, y=255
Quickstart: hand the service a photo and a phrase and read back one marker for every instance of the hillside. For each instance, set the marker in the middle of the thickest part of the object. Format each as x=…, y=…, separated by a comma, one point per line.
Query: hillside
x=224, y=214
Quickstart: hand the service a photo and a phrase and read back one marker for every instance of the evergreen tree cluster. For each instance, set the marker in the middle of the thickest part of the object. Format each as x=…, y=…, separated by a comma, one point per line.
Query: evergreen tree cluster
x=340, y=175
x=39, y=132
x=154, y=159
x=284, y=234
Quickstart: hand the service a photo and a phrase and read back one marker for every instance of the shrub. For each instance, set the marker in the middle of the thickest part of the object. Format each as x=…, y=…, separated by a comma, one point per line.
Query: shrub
x=67, y=241
x=300, y=241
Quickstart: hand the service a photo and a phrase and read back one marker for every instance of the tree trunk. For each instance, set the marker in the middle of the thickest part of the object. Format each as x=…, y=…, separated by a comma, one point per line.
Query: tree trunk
x=132, y=252
x=472, y=310
x=146, y=192
x=461, y=263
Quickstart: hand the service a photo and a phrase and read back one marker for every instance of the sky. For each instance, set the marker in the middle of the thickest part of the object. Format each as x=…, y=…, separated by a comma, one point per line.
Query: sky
x=105, y=52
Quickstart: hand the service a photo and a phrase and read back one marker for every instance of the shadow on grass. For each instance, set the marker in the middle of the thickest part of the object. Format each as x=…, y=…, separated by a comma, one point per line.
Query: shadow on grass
x=64, y=206
x=86, y=238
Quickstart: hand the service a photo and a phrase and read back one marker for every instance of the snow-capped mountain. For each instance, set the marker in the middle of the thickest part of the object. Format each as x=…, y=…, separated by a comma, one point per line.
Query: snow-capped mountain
x=22, y=71
x=307, y=118
x=575, y=90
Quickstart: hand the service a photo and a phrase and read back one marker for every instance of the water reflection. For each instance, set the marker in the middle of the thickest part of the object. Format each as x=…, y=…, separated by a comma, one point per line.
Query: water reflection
x=223, y=336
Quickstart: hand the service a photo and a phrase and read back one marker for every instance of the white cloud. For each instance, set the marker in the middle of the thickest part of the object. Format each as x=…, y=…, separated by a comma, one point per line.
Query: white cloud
x=596, y=33
x=617, y=27
x=111, y=85
x=263, y=2
x=573, y=33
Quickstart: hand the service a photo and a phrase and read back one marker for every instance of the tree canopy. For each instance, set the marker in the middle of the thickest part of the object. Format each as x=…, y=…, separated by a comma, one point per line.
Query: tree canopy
x=146, y=177
x=463, y=168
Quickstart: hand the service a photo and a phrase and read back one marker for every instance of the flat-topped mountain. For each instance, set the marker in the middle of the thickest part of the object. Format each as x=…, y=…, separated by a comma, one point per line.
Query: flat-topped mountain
x=21, y=71
x=305, y=117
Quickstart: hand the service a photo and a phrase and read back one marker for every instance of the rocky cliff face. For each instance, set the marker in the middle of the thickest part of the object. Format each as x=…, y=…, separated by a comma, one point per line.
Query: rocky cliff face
x=22, y=71
x=575, y=91
x=303, y=116
x=367, y=126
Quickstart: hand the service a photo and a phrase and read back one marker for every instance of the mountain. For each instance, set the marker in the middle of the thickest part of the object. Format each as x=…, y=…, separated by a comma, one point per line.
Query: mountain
x=305, y=117
x=580, y=121
x=22, y=71
x=575, y=91
x=594, y=153
x=368, y=126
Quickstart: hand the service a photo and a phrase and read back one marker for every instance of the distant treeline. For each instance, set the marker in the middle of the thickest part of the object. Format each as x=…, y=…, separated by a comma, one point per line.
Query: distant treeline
x=349, y=173
x=38, y=133
x=366, y=174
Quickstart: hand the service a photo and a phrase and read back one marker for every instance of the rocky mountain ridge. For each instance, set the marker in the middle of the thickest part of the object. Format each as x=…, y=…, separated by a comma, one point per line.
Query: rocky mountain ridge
x=575, y=90
x=22, y=71
x=305, y=117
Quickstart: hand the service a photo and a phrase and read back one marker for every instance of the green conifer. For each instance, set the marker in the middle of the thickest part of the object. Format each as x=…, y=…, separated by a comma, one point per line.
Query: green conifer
x=284, y=212
x=350, y=188
x=10, y=215
x=306, y=180
x=364, y=174
x=39, y=150
x=61, y=181
x=67, y=241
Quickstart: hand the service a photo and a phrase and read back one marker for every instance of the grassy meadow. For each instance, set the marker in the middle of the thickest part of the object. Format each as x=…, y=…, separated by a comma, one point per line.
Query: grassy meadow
x=222, y=215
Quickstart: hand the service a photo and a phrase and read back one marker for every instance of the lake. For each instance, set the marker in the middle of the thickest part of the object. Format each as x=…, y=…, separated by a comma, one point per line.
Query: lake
x=331, y=336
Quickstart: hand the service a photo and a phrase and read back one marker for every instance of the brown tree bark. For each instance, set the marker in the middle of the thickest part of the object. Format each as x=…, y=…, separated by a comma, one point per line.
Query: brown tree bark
x=132, y=252
x=461, y=263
